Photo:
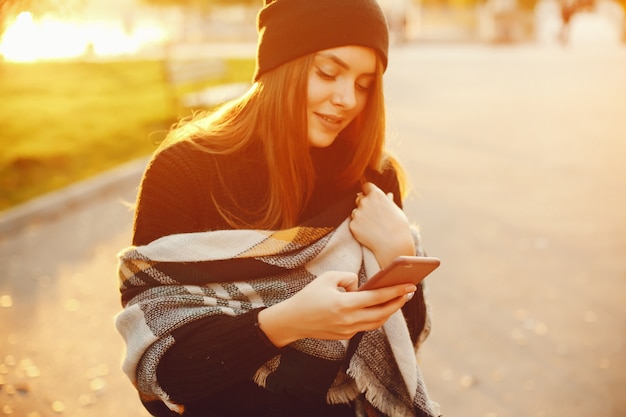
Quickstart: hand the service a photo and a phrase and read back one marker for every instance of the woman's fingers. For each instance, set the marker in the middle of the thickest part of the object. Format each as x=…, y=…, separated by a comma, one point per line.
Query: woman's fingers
x=346, y=280
x=377, y=314
x=370, y=187
x=331, y=308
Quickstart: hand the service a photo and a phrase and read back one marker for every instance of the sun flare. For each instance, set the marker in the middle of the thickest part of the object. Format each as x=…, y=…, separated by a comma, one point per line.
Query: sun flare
x=28, y=39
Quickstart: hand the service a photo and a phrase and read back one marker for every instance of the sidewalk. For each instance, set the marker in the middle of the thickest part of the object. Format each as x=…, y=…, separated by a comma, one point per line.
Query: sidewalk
x=57, y=203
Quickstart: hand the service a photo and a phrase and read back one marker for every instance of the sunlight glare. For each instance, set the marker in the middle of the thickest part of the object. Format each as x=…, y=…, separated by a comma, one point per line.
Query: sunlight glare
x=30, y=40
x=27, y=40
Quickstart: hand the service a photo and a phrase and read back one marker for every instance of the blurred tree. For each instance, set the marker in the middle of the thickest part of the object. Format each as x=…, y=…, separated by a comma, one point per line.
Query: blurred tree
x=200, y=4
x=523, y=4
x=9, y=9
x=199, y=9
x=527, y=4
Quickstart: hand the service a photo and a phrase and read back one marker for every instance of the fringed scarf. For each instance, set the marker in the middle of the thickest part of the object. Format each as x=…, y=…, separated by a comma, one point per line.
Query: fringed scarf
x=181, y=278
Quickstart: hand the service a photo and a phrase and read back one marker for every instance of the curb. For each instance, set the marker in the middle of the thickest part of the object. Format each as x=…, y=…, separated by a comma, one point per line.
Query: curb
x=50, y=205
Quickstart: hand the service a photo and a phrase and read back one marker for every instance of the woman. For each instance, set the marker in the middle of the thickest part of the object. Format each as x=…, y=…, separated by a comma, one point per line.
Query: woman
x=255, y=225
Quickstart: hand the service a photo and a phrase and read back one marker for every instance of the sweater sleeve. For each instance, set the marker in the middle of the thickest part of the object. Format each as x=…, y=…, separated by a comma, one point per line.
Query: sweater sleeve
x=387, y=181
x=212, y=354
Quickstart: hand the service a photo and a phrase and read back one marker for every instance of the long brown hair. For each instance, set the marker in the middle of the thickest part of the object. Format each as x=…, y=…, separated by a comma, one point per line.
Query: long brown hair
x=273, y=112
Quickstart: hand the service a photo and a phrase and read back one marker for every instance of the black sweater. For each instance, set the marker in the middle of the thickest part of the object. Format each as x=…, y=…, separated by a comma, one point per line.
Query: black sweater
x=209, y=367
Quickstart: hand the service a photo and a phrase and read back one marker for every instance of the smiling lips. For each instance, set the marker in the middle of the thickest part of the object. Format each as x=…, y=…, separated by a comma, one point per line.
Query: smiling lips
x=330, y=122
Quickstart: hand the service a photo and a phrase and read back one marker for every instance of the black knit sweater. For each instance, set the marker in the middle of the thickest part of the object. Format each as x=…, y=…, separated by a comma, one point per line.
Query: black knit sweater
x=209, y=368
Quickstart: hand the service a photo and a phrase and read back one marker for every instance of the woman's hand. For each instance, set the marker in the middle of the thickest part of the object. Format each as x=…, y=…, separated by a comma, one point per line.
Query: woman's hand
x=330, y=308
x=380, y=225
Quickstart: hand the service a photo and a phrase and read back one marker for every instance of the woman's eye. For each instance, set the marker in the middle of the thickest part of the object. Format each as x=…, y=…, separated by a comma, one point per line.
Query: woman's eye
x=363, y=87
x=324, y=75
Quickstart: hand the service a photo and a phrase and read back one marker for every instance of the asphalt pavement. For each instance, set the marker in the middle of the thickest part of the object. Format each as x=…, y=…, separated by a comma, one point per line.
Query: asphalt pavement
x=516, y=156
x=517, y=159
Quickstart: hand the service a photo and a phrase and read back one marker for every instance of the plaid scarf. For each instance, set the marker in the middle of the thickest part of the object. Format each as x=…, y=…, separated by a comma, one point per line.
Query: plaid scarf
x=181, y=278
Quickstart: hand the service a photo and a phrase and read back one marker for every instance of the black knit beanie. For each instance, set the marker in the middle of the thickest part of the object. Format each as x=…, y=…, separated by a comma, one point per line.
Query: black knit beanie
x=289, y=29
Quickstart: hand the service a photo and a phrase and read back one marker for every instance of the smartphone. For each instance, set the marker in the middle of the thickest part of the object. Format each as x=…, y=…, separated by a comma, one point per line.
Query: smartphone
x=403, y=270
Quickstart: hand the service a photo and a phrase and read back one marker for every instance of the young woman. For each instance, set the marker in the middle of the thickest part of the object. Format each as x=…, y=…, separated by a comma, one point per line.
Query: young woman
x=255, y=225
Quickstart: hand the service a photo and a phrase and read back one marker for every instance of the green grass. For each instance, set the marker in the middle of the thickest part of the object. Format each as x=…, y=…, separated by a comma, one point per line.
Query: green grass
x=63, y=122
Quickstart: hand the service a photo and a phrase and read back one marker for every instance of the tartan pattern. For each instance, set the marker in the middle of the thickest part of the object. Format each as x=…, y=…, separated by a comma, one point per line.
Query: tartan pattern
x=181, y=278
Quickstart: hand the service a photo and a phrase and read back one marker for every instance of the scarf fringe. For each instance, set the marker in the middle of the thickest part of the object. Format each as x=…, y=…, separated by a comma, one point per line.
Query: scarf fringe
x=343, y=394
x=260, y=376
x=380, y=398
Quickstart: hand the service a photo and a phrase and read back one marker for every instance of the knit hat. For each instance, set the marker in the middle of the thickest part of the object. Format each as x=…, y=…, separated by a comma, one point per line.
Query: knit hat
x=289, y=29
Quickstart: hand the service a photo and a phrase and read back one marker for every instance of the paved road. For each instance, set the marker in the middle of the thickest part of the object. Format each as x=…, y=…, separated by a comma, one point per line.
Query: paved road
x=517, y=159
x=517, y=156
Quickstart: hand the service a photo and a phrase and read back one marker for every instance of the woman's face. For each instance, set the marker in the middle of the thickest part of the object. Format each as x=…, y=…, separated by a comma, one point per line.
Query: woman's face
x=338, y=86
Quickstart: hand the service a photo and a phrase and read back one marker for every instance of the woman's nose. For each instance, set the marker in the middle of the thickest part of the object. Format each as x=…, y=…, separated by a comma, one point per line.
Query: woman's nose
x=344, y=95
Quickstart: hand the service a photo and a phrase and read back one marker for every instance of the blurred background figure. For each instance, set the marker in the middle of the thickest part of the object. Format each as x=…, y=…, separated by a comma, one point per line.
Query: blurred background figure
x=397, y=13
x=568, y=9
